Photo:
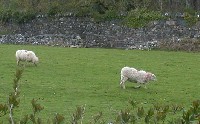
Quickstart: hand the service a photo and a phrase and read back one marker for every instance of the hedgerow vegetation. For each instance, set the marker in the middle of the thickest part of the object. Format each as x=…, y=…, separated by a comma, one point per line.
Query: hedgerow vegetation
x=132, y=13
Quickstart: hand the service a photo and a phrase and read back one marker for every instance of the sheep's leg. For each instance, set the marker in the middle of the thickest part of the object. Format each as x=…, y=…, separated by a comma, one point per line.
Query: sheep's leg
x=140, y=85
x=137, y=86
x=145, y=87
x=17, y=62
x=35, y=64
x=139, y=82
x=122, y=82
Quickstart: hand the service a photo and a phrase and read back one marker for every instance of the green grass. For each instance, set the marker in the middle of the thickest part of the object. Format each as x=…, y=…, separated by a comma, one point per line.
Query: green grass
x=66, y=78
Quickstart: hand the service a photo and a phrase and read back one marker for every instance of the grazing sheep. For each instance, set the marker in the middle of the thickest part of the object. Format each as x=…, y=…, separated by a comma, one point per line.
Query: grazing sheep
x=25, y=55
x=133, y=75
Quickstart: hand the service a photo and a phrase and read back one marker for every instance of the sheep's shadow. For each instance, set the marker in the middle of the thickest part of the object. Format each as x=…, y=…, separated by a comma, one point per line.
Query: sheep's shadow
x=26, y=64
x=136, y=87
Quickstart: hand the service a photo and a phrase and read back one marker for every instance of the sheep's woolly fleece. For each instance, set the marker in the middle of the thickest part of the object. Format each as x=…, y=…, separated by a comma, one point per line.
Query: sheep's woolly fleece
x=134, y=75
x=25, y=55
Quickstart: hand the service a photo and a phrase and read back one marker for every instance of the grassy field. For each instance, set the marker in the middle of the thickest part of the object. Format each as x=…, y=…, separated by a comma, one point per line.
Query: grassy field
x=67, y=77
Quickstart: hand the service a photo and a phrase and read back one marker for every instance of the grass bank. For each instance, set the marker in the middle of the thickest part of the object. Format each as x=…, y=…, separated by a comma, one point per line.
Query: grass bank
x=66, y=78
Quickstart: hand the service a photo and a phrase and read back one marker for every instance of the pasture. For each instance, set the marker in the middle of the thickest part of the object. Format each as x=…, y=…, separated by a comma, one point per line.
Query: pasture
x=69, y=77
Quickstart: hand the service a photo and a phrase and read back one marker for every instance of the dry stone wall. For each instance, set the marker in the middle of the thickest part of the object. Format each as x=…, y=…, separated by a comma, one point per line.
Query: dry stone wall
x=84, y=32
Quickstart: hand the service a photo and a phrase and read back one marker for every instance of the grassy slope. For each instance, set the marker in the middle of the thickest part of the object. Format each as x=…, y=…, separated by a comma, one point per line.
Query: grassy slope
x=66, y=78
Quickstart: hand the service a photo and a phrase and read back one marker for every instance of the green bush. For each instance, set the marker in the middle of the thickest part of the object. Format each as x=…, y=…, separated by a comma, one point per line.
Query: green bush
x=108, y=16
x=141, y=17
x=23, y=17
x=139, y=13
x=54, y=8
x=191, y=17
x=83, y=12
x=16, y=16
x=111, y=14
x=5, y=15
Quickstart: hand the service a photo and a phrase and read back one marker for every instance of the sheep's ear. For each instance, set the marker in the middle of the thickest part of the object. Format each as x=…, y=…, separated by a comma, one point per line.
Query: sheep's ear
x=149, y=73
x=154, y=76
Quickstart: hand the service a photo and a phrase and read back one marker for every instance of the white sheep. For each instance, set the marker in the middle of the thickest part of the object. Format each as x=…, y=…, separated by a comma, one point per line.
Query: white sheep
x=133, y=75
x=25, y=55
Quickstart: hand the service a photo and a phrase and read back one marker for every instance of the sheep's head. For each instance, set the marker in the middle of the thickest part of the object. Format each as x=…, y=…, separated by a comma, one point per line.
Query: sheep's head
x=153, y=77
x=36, y=60
x=150, y=77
